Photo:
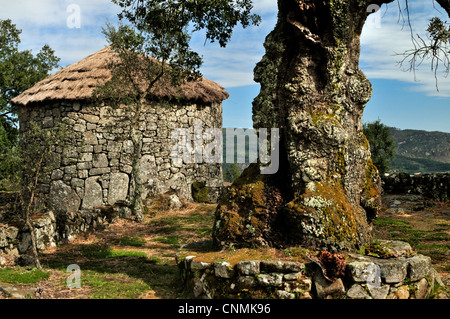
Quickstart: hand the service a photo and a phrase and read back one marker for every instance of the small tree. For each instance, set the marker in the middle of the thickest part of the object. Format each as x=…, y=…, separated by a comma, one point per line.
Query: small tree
x=382, y=145
x=153, y=50
x=134, y=73
x=36, y=162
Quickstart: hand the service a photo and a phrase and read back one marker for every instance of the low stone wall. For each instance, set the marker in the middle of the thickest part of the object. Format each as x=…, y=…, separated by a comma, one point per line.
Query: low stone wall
x=433, y=186
x=407, y=276
x=50, y=229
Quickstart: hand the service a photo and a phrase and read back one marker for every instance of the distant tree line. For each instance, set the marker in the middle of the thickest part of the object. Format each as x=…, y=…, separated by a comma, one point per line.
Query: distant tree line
x=19, y=70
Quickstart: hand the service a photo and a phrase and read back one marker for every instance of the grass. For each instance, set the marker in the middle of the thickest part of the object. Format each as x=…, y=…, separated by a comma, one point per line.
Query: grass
x=130, y=241
x=128, y=260
x=169, y=240
x=428, y=232
x=19, y=275
x=136, y=260
x=113, y=286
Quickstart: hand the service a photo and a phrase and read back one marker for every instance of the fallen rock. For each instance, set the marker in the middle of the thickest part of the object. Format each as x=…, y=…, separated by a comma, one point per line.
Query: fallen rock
x=325, y=288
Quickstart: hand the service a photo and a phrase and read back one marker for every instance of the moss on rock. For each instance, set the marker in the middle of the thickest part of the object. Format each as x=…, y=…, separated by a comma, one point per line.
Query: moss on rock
x=200, y=192
x=247, y=216
x=371, y=194
x=325, y=218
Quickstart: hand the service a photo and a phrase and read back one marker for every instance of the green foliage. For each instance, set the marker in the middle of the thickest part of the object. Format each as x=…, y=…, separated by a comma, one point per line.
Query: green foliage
x=169, y=21
x=9, y=162
x=438, y=31
x=19, y=70
x=231, y=172
x=382, y=146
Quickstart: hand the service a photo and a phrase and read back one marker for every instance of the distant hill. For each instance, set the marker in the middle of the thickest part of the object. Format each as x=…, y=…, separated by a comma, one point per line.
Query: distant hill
x=421, y=151
x=416, y=151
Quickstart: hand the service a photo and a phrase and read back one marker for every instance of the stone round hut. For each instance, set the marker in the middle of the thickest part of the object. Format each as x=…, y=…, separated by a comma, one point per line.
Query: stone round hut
x=94, y=168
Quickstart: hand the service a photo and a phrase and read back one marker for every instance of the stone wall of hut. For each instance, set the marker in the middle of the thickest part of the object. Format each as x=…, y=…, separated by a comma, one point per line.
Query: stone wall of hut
x=93, y=167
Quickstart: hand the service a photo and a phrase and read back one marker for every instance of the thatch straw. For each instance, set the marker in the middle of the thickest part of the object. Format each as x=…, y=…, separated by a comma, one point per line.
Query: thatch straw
x=78, y=81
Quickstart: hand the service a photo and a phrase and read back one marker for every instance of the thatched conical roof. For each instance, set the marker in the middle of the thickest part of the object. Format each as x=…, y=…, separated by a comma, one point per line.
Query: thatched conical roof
x=78, y=81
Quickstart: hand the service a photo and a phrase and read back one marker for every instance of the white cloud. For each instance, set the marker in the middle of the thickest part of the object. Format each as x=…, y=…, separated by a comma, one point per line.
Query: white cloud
x=381, y=48
x=233, y=66
x=53, y=13
x=265, y=6
x=46, y=22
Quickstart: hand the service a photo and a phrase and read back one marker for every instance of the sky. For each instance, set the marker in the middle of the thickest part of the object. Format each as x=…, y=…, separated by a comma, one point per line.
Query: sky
x=73, y=28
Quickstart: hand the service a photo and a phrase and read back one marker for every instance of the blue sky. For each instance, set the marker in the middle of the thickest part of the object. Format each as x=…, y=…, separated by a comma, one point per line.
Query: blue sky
x=398, y=100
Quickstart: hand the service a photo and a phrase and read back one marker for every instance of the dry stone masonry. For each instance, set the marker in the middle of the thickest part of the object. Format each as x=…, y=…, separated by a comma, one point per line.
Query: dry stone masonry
x=406, y=276
x=50, y=229
x=91, y=180
x=94, y=169
x=433, y=186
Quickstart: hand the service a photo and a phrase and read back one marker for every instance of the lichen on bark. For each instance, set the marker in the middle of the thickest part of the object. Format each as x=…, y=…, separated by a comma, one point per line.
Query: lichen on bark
x=312, y=89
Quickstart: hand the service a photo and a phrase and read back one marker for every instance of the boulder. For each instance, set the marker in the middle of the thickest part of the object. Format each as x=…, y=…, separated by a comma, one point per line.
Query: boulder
x=326, y=288
x=248, y=267
x=118, y=188
x=393, y=270
x=93, y=193
x=63, y=198
x=357, y=292
x=175, y=202
x=270, y=280
x=361, y=271
x=419, y=266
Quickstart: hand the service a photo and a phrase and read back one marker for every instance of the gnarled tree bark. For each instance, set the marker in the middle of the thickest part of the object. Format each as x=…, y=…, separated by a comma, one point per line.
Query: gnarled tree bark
x=327, y=190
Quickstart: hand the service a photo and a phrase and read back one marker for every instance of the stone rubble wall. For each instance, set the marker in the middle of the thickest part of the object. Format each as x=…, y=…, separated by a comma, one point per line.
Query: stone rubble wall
x=433, y=186
x=403, y=277
x=50, y=229
x=94, y=169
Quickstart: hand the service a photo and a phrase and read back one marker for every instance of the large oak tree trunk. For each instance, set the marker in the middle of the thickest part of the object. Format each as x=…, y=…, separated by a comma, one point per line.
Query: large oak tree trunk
x=327, y=189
